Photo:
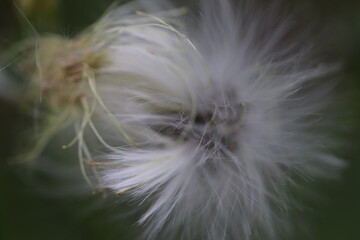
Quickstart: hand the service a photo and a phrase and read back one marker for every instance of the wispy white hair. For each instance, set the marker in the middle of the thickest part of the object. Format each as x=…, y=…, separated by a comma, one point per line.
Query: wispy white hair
x=224, y=112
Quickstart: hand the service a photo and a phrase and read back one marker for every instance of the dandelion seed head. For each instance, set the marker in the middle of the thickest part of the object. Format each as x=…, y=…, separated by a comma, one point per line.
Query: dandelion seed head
x=205, y=124
x=226, y=114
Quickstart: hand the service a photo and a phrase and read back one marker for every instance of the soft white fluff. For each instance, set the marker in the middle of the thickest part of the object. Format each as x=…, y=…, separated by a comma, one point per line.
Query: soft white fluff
x=220, y=117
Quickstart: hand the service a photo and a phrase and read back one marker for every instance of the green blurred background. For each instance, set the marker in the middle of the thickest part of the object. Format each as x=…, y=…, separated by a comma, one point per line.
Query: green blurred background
x=42, y=206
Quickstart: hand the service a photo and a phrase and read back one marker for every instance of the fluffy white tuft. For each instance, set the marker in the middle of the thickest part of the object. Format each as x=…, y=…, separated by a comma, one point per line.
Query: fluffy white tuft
x=221, y=118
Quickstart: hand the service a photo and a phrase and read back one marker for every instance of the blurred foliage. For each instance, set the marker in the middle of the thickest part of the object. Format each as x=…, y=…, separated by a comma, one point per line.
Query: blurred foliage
x=27, y=213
